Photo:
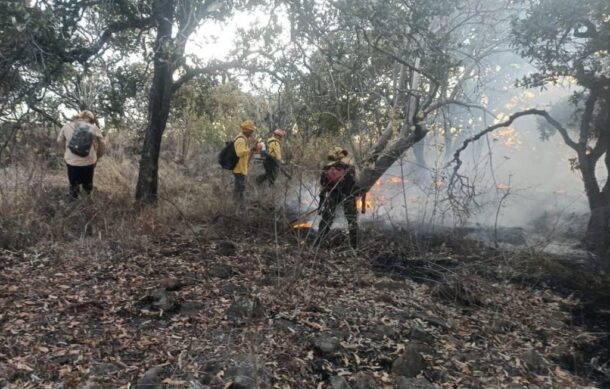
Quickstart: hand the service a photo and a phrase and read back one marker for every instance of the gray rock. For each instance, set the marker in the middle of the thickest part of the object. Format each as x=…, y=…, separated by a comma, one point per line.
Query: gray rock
x=326, y=344
x=410, y=363
x=226, y=248
x=221, y=271
x=364, y=380
x=151, y=379
x=534, y=362
x=338, y=382
x=419, y=334
x=413, y=383
x=245, y=309
x=248, y=373
x=171, y=284
x=90, y=384
x=103, y=369
x=384, y=331
x=159, y=300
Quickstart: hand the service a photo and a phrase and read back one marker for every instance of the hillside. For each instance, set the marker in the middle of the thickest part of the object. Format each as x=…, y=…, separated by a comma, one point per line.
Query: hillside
x=222, y=301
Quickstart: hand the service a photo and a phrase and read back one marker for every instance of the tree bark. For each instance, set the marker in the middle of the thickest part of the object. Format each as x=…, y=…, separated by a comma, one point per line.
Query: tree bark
x=386, y=159
x=158, y=104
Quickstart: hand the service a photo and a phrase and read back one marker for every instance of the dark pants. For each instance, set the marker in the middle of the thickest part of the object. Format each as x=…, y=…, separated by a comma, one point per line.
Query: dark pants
x=240, y=186
x=80, y=175
x=329, y=208
x=271, y=170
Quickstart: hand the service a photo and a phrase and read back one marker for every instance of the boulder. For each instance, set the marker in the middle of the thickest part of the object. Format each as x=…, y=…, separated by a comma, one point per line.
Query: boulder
x=151, y=379
x=159, y=300
x=248, y=373
x=364, y=380
x=326, y=344
x=226, y=248
x=419, y=334
x=534, y=362
x=245, y=309
x=410, y=363
x=338, y=382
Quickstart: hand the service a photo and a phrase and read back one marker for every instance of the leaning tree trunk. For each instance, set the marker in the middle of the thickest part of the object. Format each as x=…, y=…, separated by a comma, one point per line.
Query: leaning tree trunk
x=158, y=105
x=370, y=174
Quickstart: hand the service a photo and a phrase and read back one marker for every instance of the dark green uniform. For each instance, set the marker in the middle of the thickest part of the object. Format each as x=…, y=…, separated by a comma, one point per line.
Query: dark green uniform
x=335, y=194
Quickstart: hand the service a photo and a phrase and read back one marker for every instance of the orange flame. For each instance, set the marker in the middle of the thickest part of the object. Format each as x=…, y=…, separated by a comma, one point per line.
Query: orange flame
x=299, y=225
x=394, y=180
x=503, y=186
x=368, y=203
x=439, y=184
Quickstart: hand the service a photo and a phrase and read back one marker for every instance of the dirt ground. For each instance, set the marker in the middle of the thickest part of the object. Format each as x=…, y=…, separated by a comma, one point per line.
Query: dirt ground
x=212, y=306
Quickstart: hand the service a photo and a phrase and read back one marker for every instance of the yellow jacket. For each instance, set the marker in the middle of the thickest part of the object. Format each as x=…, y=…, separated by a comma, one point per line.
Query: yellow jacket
x=274, y=148
x=243, y=153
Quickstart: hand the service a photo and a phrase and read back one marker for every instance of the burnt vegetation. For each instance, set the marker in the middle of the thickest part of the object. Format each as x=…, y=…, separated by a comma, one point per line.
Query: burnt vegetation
x=480, y=136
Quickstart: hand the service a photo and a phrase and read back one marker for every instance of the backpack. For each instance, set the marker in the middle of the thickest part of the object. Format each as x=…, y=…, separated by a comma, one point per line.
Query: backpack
x=227, y=158
x=334, y=176
x=82, y=140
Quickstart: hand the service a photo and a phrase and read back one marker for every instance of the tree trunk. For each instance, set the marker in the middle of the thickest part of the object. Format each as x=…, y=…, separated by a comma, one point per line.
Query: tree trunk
x=158, y=105
x=386, y=159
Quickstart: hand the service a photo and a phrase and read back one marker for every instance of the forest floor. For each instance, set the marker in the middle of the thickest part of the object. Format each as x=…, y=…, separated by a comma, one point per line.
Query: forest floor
x=223, y=303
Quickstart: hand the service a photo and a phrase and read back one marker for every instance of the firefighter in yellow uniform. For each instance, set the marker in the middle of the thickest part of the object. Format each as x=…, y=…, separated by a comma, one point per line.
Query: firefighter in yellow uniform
x=243, y=152
x=273, y=157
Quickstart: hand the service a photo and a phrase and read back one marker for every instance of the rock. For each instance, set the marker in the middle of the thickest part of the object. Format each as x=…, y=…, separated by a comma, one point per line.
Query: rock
x=410, y=363
x=151, y=379
x=338, y=382
x=326, y=344
x=103, y=369
x=159, y=300
x=384, y=330
x=234, y=289
x=194, y=385
x=413, y=383
x=221, y=271
x=226, y=248
x=364, y=380
x=90, y=384
x=435, y=321
x=419, y=334
x=248, y=373
x=244, y=309
x=171, y=284
x=534, y=362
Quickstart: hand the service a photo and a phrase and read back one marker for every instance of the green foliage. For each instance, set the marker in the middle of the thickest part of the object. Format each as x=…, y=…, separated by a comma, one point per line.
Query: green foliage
x=565, y=38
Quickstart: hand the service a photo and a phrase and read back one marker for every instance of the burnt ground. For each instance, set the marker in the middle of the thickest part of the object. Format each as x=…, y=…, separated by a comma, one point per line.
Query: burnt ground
x=215, y=307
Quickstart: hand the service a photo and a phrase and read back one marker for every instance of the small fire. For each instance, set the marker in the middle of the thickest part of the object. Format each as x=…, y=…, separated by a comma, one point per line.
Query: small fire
x=439, y=184
x=368, y=203
x=503, y=186
x=302, y=225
